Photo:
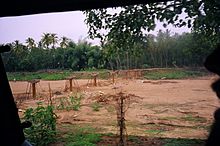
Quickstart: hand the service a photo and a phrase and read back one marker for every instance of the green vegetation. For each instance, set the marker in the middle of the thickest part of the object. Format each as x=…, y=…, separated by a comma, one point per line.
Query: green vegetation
x=61, y=105
x=43, y=129
x=82, y=139
x=76, y=135
x=75, y=102
x=108, y=134
x=127, y=42
x=96, y=106
x=81, y=136
x=161, y=51
x=103, y=74
x=188, y=117
x=31, y=57
x=154, y=131
x=183, y=142
x=110, y=109
x=172, y=74
x=27, y=76
x=134, y=139
x=168, y=118
x=127, y=45
x=72, y=102
x=193, y=118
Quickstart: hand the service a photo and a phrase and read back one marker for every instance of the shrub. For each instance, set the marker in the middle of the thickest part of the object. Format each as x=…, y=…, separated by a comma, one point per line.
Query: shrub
x=43, y=129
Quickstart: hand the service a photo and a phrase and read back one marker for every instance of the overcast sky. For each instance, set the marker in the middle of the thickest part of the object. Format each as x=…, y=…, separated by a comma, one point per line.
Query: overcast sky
x=69, y=24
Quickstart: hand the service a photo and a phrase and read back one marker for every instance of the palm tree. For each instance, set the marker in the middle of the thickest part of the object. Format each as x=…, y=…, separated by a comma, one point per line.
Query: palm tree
x=54, y=39
x=30, y=43
x=40, y=44
x=64, y=42
x=46, y=40
x=17, y=47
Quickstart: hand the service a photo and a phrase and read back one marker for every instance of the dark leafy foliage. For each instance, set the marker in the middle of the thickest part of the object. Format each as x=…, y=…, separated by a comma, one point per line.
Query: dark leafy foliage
x=162, y=50
x=128, y=23
x=43, y=129
x=122, y=29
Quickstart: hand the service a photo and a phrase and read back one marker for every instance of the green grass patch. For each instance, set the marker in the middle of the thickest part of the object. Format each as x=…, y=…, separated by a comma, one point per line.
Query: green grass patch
x=96, y=106
x=80, y=136
x=192, y=118
x=108, y=134
x=183, y=142
x=154, y=131
x=134, y=139
x=168, y=118
x=59, y=75
x=102, y=74
x=165, y=105
x=27, y=76
x=172, y=74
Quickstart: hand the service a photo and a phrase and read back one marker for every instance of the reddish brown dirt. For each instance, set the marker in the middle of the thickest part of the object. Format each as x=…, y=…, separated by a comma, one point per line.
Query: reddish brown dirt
x=167, y=108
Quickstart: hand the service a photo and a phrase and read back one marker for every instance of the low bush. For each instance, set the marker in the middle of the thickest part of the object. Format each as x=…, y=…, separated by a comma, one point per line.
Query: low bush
x=43, y=129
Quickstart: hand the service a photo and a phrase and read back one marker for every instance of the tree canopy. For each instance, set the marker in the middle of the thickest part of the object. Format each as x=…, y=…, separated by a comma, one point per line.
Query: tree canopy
x=128, y=24
x=161, y=50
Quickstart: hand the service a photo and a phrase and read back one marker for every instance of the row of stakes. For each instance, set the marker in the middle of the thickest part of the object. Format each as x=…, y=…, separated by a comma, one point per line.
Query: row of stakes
x=71, y=79
x=35, y=81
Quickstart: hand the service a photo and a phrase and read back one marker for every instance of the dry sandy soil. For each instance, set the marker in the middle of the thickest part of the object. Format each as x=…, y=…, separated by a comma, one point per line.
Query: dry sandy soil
x=166, y=108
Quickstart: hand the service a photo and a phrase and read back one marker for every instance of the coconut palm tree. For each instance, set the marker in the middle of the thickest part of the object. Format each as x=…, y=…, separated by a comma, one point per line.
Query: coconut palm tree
x=54, y=39
x=30, y=43
x=64, y=42
x=17, y=47
x=46, y=40
x=40, y=44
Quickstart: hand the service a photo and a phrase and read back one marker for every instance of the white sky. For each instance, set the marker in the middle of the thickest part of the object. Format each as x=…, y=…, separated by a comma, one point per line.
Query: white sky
x=68, y=24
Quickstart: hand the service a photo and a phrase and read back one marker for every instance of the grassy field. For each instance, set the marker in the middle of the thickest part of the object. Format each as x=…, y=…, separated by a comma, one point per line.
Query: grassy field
x=103, y=74
x=27, y=76
x=76, y=135
x=174, y=74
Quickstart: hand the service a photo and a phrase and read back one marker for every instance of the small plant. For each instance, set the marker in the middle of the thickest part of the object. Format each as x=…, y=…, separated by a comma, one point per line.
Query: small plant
x=72, y=102
x=110, y=109
x=121, y=103
x=43, y=129
x=61, y=106
x=96, y=106
x=75, y=102
x=82, y=137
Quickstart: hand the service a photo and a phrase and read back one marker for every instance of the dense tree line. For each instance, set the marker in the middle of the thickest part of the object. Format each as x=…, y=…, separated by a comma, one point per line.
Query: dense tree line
x=52, y=53
x=162, y=50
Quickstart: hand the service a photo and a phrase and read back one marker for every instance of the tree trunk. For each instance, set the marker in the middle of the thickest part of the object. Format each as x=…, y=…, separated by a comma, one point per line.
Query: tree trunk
x=127, y=60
